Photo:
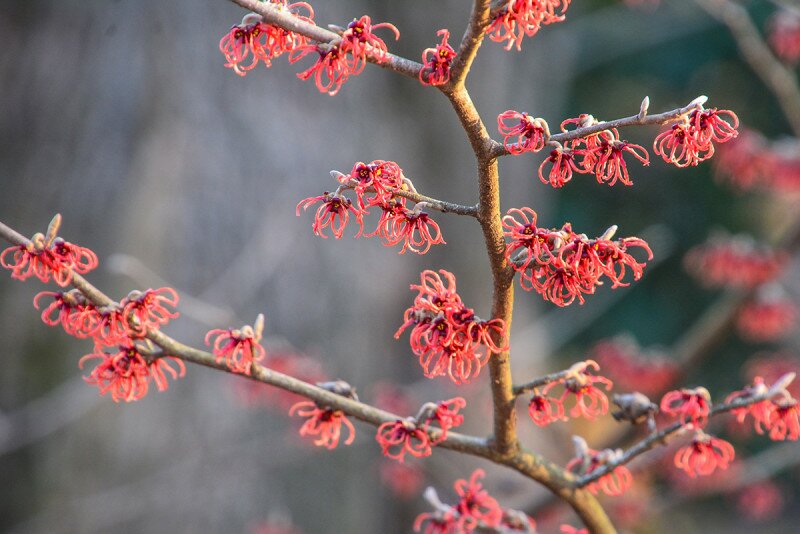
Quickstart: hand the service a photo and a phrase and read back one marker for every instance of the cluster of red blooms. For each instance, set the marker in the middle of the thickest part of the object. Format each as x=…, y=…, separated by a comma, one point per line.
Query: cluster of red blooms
x=445, y=333
x=784, y=35
x=563, y=266
x=633, y=369
x=761, y=501
x=254, y=40
x=375, y=185
x=767, y=317
x=587, y=461
x=578, y=383
x=125, y=370
x=601, y=153
x=517, y=19
x=474, y=511
x=436, y=62
x=734, y=261
x=325, y=422
x=412, y=435
x=239, y=347
x=772, y=366
x=751, y=162
x=337, y=61
x=778, y=413
x=691, y=140
x=521, y=132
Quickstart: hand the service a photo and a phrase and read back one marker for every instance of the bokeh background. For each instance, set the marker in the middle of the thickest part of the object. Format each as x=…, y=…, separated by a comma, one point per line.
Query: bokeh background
x=120, y=116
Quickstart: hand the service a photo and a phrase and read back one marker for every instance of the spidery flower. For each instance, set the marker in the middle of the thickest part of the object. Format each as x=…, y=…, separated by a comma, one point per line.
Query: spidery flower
x=403, y=436
x=690, y=405
x=149, y=310
x=48, y=256
x=436, y=62
x=518, y=19
x=704, y=455
x=768, y=317
x=330, y=70
x=610, y=165
x=691, y=140
x=613, y=483
x=323, y=423
x=785, y=421
x=545, y=410
x=563, y=163
x=760, y=411
x=333, y=213
x=475, y=506
x=590, y=400
x=445, y=414
x=69, y=309
x=415, y=229
x=358, y=41
x=240, y=348
x=125, y=375
x=521, y=132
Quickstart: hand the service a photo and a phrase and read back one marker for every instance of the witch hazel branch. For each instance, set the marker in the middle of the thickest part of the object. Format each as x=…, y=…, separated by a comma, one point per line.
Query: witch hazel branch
x=448, y=339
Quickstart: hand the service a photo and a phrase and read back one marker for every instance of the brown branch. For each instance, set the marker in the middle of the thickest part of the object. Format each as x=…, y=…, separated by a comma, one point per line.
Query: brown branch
x=287, y=21
x=662, y=435
x=439, y=205
x=527, y=463
x=640, y=119
x=778, y=78
x=541, y=381
x=479, y=20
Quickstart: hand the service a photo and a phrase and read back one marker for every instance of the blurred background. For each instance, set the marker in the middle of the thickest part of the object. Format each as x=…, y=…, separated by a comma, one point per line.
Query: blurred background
x=121, y=116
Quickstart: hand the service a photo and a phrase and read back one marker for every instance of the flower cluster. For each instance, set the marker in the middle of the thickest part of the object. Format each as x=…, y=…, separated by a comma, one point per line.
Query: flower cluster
x=475, y=510
x=784, y=35
x=769, y=316
x=239, y=347
x=445, y=334
x=633, y=369
x=436, y=62
x=691, y=140
x=521, y=132
x=517, y=19
x=563, y=266
x=376, y=185
x=777, y=411
x=692, y=406
x=325, y=422
x=589, y=399
x=734, y=261
x=126, y=373
x=587, y=461
x=48, y=256
x=601, y=154
x=253, y=40
x=751, y=162
x=337, y=61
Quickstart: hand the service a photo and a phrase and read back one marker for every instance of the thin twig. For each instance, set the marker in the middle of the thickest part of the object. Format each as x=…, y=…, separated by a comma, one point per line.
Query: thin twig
x=479, y=20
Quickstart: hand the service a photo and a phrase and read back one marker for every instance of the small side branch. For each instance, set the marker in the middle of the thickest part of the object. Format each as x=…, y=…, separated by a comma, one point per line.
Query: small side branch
x=287, y=21
x=542, y=381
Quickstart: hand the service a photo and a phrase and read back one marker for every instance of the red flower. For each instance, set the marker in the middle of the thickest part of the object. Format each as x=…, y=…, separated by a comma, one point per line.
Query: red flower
x=785, y=421
x=331, y=69
x=545, y=410
x=761, y=411
x=704, y=455
x=239, y=348
x=520, y=18
x=590, y=401
x=530, y=133
x=71, y=310
x=326, y=423
x=445, y=333
x=48, y=257
x=436, y=62
x=379, y=177
x=610, y=165
x=784, y=35
x=358, y=40
x=149, y=309
x=403, y=436
x=438, y=522
x=563, y=163
x=691, y=405
x=254, y=40
x=126, y=374
x=767, y=318
x=734, y=261
x=334, y=212
x=475, y=506
x=111, y=329
x=415, y=229
x=613, y=483
x=445, y=414
x=569, y=529
x=690, y=141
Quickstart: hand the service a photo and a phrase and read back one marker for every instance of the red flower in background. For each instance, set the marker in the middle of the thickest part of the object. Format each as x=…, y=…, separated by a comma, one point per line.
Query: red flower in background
x=324, y=423
x=704, y=455
x=734, y=261
x=783, y=34
x=633, y=369
x=436, y=62
x=766, y=318
x=785, y=421
x=405, y=480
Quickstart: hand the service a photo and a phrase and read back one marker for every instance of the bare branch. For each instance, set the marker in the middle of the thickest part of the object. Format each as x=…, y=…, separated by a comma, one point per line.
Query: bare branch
x=479, y=20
